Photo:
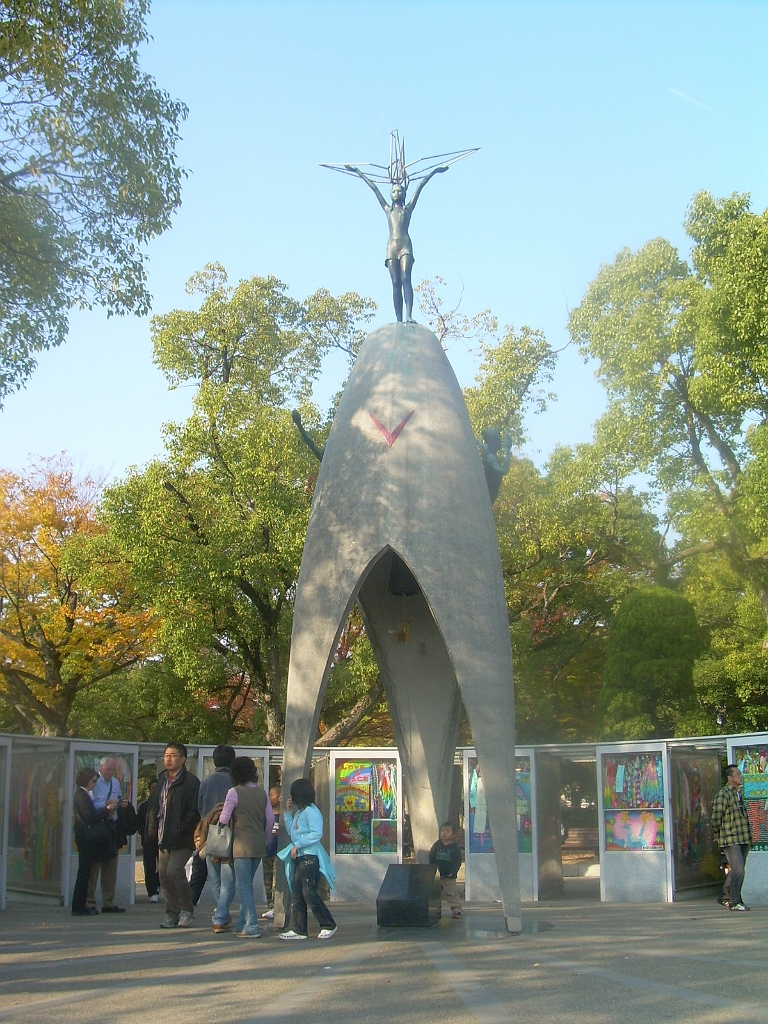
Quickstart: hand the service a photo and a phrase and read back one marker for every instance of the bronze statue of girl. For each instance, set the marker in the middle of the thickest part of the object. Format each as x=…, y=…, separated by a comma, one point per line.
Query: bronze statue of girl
x=399, y=259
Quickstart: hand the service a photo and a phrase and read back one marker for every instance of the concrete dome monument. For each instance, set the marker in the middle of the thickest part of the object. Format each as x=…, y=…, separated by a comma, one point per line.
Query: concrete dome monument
x=401, y=507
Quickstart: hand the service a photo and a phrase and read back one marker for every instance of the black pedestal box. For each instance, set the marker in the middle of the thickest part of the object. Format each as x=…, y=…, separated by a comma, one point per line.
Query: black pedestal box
x=409, y=897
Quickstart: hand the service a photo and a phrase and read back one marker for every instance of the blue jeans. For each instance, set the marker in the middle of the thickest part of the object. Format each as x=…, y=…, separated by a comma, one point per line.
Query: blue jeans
x=214, y=876
x=245, y=869
x=226, y=879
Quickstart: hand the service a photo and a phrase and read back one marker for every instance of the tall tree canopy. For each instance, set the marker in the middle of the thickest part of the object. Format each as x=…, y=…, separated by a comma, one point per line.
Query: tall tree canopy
x=88, y=171
x=574, y=540
x=681, y=347
x=648, y=688
x=215, y=531
x=68, y=614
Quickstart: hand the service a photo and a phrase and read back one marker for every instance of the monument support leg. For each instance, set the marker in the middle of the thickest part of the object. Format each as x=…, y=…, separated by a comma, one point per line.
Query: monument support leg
x=422, y=696
x=492, y=724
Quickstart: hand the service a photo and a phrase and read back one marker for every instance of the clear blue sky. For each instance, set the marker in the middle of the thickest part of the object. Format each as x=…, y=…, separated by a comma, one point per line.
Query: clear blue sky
x=597, y=121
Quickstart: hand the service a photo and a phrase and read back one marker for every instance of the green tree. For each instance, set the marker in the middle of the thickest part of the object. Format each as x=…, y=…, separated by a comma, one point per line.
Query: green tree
x=354, y=698
x=731, y=676
x=653, y=643
x=214, y=536
x=215, y=531
x=88, y=172
x=682, y=354
x=151, y=704
x=574, y=540
x=680, y=351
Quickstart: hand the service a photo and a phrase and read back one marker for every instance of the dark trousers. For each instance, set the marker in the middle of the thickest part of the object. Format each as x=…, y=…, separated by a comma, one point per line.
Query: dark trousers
x=199, y=877
x=270, y=879
x=84, y=865
x=151, y=876
x=306, y=875
x=737, y=859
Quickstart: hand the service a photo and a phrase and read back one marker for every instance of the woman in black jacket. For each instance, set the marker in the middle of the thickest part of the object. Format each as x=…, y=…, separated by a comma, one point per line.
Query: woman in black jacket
x=89, y=848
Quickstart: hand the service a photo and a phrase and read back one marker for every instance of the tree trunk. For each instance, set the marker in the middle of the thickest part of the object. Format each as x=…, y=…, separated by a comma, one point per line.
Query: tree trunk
x=276, y=720
x=346, y=726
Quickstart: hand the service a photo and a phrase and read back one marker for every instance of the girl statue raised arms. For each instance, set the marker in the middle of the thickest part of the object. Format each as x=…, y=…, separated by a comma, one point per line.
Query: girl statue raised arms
x=398, y=174
x=399, y=259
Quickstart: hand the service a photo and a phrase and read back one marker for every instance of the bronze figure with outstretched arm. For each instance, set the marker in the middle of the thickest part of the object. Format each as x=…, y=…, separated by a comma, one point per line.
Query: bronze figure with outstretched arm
x=399, y=259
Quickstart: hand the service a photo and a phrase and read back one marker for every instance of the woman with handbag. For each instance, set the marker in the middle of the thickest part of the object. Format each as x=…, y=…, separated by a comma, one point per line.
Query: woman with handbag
x=94, y=836
x=248, y=813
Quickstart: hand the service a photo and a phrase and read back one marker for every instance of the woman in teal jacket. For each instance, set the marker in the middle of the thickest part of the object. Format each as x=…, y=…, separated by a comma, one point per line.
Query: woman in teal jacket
x=305, y=860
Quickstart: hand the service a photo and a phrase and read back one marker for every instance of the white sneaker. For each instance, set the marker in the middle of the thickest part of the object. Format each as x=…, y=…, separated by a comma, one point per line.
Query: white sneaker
x=327, y=933
x=185, y=919
x=268, y=915
x=155, y=898
x=170, y=922
x=289, y=936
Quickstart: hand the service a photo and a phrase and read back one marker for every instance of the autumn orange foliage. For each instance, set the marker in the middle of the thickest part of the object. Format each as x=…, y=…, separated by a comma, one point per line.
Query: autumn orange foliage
x=68, y=615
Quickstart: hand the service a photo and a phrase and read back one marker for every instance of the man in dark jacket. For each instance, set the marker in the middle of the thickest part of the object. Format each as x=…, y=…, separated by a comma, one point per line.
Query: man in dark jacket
x=172, y=815
x=213, y=789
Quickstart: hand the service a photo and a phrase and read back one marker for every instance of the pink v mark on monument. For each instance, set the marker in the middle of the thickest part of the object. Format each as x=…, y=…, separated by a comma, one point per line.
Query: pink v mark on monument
x=391, y=438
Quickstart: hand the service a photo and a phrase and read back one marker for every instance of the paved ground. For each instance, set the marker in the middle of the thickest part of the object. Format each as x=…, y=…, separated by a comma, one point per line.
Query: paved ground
x=576, y=961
